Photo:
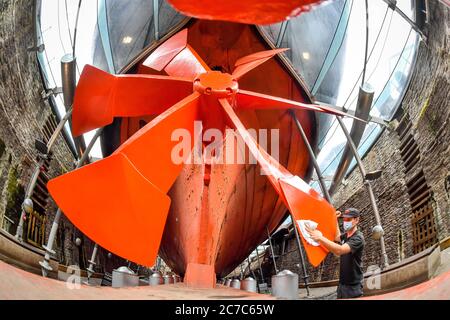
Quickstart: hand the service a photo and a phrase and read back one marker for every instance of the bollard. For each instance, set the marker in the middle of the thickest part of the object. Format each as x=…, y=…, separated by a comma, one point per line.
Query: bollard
x=236, y=284
x=285, y=285
x=168, y=279
x=155, y=279
x=249, y=284
x=124, y=277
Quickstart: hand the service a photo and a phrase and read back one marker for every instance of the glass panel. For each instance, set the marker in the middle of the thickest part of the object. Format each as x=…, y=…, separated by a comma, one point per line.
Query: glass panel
x=333, y=145
x=392, y=50
x=127, y=39
x=381, y=67
x=87, y=26
x=389, y=99
x=307, y=50
x=407, y=7
x=373, y=57
x=98, y=53
x=350, y=58
x=332, y=67
x=273, y=30
x=168, y=18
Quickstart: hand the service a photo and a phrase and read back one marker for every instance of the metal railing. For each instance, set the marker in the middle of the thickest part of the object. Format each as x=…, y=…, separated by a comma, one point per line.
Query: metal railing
x=7, y=224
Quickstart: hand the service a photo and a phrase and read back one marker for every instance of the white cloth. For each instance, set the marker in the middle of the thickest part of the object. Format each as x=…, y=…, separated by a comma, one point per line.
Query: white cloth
x=312, y=225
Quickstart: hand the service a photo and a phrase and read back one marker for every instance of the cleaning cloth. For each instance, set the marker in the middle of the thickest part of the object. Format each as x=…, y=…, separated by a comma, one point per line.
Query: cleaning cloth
x=312, y=225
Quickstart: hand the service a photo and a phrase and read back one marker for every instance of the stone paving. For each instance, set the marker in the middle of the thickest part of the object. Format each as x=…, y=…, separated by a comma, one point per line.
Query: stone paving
x=19, y=284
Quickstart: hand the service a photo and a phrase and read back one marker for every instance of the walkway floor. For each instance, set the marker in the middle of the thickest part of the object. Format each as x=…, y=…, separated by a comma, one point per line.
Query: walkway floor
x=18, y=284
x=435, y=289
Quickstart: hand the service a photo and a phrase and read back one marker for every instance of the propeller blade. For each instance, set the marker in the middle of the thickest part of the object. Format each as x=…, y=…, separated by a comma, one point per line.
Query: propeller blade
x=100, y=97
x=177, y=58
x=162, y=56
x=124, y=195
x=253, y=100
x=250, y=62
x=151, y=148
x=115, y=206
x=186, y=64
x=248, y=11
x=303, y=202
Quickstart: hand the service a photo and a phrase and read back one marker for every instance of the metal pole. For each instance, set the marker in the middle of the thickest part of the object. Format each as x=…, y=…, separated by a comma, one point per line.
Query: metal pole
x=363, y=106
x=68, y=79
x=259, y=264
x=58, y=129
x=366, y=51
x=156, y=18
x=90, y=269
x=250, y=268
x=158, y=263
x=76, y=28
x=312, y=157
x=393, y=5
x=300, y=251
x=34, y=177
x=271, y=249
x=51, y=238
x=368, y=187
x=37, y=170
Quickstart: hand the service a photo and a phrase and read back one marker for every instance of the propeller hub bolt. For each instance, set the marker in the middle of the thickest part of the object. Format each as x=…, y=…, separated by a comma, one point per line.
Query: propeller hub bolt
x=216, y=83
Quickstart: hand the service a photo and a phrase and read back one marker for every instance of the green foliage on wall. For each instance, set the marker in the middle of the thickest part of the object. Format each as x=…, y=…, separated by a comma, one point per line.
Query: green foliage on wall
x=15, y=194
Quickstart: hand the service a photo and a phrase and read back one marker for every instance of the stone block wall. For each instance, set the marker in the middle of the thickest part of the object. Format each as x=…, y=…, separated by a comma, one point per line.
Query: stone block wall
x=23, y=113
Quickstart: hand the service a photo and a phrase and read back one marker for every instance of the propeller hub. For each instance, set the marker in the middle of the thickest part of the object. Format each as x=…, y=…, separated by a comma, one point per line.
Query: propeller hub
x=216, y=83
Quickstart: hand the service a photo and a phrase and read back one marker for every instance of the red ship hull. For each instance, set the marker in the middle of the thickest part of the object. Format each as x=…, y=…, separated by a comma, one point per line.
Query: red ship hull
x=219, y=213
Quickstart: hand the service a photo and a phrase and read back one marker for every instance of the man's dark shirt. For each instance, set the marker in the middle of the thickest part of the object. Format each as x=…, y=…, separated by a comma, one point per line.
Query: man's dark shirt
x=351, y=272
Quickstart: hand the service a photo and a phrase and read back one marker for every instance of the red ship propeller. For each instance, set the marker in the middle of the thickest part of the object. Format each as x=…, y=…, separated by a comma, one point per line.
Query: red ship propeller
x=121, y=202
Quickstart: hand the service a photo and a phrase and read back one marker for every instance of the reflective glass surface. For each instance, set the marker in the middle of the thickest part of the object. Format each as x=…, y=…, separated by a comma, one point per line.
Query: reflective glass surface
x=332, y=65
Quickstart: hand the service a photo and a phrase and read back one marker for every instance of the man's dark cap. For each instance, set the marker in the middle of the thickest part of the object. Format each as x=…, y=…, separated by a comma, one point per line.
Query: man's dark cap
x=351, y=213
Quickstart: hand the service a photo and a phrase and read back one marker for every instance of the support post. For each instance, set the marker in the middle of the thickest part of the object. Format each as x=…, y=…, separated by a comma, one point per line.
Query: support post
x=302, y=259
x=271, y=249
x=368, y=187
x=46, y=268
x=156, y=18
x=312, y=156
x=92, y=263
x=68, y=79
x=259, y=265
x=158, y=263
